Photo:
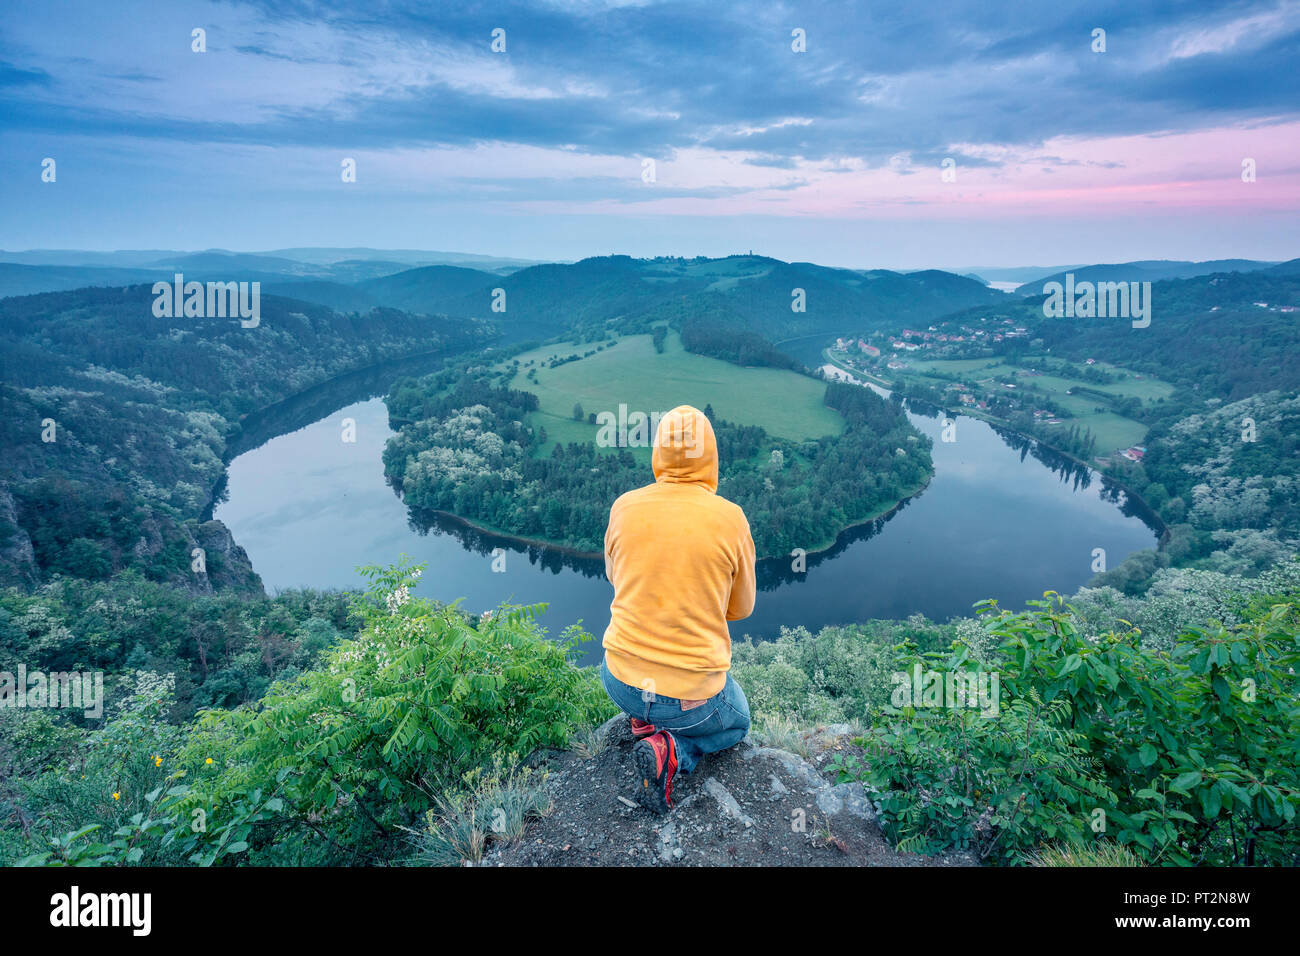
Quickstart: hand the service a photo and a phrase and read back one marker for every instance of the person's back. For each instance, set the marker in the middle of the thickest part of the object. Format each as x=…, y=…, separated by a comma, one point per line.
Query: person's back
x=681, y=560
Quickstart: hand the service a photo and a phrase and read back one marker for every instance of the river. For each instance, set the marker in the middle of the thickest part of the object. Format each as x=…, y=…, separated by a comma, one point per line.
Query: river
x=1001, y=518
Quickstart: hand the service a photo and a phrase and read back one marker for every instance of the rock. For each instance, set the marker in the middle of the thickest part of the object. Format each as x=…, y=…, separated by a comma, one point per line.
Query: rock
x=670, y=847
x=795, y=765
x=855, y=800
x=730, y=807
x=614, y=729
x=832, y=800
x=829, y=802
x=228, y=567
x=17, y=556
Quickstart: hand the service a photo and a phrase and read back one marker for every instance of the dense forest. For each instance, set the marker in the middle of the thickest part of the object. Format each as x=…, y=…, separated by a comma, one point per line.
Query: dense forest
x=1225, y=481
x=115, y=422
x=471, y=454
x=732, y=344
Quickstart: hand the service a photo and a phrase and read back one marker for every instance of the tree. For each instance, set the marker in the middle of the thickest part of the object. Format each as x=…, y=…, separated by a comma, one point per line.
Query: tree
x=578, y=414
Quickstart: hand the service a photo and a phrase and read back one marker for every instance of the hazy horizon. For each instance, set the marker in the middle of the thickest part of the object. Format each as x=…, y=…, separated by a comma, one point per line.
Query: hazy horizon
x=472, y=255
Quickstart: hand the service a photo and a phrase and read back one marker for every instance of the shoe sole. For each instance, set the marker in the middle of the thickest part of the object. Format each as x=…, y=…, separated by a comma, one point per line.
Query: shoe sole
x=649, y=793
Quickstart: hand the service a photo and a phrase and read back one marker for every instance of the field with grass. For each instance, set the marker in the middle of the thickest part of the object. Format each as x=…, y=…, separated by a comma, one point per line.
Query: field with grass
x=1131, y=384
x=1113, y=431
x=632, y=373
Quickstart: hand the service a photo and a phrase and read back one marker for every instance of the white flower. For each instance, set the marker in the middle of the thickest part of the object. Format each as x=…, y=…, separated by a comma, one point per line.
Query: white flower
x=397, y=598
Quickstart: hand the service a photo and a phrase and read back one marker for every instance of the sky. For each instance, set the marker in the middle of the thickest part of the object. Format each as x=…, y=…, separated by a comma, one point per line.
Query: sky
x=1056, y=151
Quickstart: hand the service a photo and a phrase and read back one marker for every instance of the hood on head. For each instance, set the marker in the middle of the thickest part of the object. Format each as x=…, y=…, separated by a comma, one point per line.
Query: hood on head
x=685, y=449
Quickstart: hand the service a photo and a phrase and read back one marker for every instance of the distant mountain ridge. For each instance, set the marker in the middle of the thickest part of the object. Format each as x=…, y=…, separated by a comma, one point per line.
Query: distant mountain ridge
x=765, y=296
x=759, y=295
x=1144, y=270
x=315, y=255
x=36, y=271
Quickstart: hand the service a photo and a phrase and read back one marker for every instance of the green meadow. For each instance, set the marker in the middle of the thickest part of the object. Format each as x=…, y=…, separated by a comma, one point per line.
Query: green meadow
x=1113, y=431
x=1131, y=384
x=632, y=373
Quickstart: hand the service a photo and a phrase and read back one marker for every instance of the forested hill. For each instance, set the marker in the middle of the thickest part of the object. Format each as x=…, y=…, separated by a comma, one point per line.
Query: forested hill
x=769, y=297
x=1227, y=335
x=1152, y=270
x=596, y=294
x=784, y=300
x=114, y=422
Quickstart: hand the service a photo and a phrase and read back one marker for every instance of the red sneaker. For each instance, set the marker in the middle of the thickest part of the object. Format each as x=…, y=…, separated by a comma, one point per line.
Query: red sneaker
x=656, y=765
x=641, y=728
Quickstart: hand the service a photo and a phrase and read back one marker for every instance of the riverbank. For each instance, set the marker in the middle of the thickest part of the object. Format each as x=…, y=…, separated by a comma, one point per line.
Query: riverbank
x=308, y=405
x=992, y=420
x=822, y=547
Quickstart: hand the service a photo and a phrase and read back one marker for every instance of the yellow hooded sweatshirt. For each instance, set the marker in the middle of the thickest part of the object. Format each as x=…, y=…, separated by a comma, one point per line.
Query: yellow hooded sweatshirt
x=681, y=560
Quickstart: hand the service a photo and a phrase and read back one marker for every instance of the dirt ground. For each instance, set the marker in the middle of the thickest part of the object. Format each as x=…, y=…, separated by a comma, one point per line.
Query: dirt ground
x=749, y=806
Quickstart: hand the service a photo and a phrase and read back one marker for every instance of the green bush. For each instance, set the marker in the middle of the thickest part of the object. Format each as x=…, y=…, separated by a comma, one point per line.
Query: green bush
x=330, y=765
x=1183, y=757
x=396, y=717
x=836, y=675
x=108, y=786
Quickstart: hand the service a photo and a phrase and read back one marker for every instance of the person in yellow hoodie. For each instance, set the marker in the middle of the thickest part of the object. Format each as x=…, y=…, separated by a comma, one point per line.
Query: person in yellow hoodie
x=681, y=560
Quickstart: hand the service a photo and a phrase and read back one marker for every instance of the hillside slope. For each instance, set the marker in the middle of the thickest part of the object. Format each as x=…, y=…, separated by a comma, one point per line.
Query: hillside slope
x=1150, y=270
x=114, y=422
x=426, y=289
x=753, y=292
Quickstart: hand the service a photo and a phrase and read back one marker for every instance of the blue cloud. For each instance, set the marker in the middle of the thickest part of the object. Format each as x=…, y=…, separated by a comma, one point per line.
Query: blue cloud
x=11, y=75
x=876, y=80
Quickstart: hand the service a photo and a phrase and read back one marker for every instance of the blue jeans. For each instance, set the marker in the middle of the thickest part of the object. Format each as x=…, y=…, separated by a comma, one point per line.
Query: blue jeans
x=720, y=722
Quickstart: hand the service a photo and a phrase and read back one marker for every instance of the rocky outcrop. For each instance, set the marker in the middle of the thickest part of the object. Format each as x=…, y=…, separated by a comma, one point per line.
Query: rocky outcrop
x=17, y=557
x=749, y=806
x=228, y=567
x=225, y=564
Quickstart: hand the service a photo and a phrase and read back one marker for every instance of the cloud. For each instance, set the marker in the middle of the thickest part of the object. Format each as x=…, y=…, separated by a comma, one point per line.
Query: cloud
x=11, y=75
x=645, y=79
x=713, y=92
